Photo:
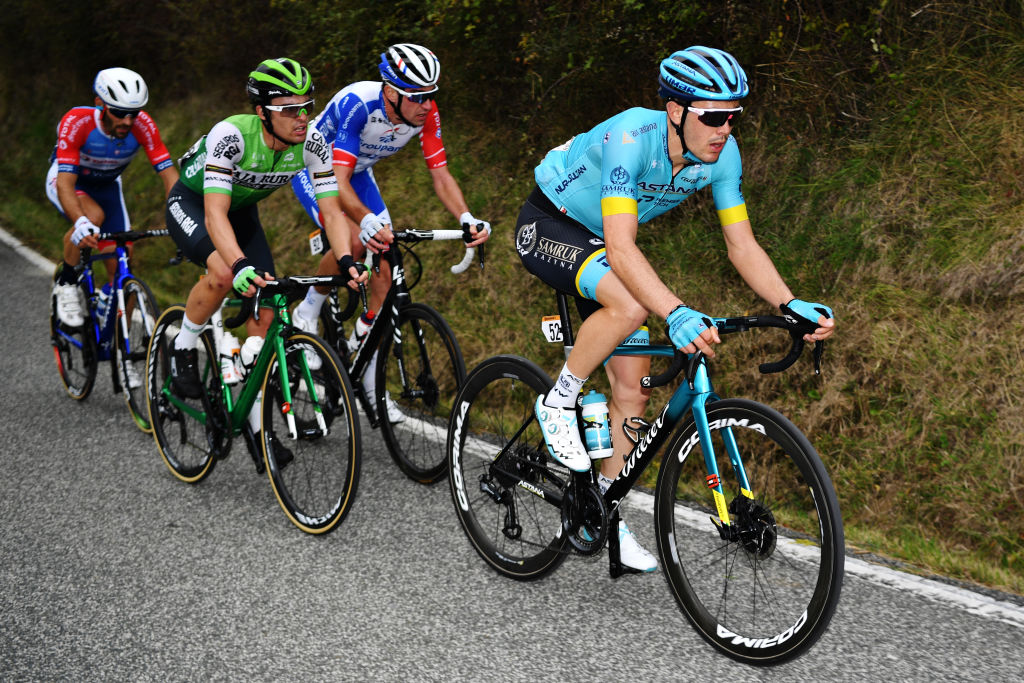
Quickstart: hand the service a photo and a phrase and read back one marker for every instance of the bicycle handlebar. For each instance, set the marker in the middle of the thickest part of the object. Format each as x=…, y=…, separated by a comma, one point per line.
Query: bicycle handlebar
x=295, y=284
x=795, y=325
x=414, y=235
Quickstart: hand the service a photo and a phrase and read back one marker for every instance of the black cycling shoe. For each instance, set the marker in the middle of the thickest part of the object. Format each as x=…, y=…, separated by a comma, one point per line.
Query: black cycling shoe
x=185, y=373
x=282, y=456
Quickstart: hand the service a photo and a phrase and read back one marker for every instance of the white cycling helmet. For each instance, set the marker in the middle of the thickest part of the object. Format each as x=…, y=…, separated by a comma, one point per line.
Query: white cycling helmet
x=409, y=66
x=121, y=88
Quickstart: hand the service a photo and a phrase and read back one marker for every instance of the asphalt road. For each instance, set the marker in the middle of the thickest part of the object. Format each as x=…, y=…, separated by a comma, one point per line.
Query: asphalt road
x=111, y=569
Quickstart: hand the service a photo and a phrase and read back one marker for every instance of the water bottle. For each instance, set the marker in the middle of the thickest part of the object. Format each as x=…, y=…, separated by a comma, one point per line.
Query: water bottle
x=595, y=426
x=230, y=360
x=362, y=326
x=103, y=301
x=250, y=350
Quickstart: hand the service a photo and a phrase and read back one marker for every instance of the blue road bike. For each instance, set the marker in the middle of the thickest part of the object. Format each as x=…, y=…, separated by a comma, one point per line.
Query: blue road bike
x=118, y=333
x=748, y=527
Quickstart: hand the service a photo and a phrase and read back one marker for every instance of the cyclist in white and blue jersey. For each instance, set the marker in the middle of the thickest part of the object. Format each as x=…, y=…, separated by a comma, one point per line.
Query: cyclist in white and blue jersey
x=577, y=232
x=367, y=122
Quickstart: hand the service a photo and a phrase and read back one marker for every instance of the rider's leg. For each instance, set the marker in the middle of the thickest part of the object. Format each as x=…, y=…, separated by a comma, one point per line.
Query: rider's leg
x=620, y=314
x=628, y=399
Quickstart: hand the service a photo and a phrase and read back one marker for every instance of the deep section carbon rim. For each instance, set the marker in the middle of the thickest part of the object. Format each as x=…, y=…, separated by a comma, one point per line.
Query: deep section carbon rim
x=500, y=470
x=764, y=589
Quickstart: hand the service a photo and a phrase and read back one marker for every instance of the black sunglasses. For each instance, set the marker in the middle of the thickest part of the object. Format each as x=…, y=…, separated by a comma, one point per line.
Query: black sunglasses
x=416, y=97
x=122, y=113
x=716, y=118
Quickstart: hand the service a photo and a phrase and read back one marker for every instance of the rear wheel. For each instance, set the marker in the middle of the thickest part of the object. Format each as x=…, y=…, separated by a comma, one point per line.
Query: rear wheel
x=189, y=433
x=506, y=489
x=762, y=589
x=310, y=435
x=420, y=368
x=74, y=349
x=140, y=314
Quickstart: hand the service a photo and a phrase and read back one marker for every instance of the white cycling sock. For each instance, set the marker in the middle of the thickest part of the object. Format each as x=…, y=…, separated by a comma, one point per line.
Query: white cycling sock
x=310, y=306
x=189, y=334
x=567, y=388
x=603, y=482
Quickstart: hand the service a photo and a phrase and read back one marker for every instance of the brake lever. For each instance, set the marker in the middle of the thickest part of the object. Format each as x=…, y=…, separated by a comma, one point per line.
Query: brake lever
x=819, y=349
x=467, y=237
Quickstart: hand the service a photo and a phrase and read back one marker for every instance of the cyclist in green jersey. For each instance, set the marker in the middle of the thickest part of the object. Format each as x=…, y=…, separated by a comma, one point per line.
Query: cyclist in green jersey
x=212, y=214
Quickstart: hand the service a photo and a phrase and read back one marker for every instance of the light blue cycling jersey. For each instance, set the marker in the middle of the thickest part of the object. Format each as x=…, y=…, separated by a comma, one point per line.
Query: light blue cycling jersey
x=622, y=166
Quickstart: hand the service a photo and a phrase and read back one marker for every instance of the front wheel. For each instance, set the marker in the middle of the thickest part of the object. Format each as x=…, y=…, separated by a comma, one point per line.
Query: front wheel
x=506, y=488
x=134, y=330
x=189, y=433
x=75, y=350
x=762, y=589
x=310, y=434
x=420, y=368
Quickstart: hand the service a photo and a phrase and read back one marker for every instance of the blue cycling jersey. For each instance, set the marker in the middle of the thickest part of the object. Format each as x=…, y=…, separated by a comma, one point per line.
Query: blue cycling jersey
x=622, y=166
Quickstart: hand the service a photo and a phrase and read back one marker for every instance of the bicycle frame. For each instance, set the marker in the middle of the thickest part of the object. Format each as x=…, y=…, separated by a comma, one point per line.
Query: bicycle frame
x=689, y=397
x=396, y=299
x=103, y=330
x=237, y=408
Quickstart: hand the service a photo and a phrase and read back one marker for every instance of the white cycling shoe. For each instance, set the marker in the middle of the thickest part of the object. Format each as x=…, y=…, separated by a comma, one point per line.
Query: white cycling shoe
x=562, y=436
x=632, y=554
x=395, y=414
x=131, y=376
x=69, y=305
x=310, y=326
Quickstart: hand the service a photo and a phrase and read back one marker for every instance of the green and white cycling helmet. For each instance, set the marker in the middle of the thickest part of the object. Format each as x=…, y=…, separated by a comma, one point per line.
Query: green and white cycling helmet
x=279, y=77
x=121, y=88
x=702, y=73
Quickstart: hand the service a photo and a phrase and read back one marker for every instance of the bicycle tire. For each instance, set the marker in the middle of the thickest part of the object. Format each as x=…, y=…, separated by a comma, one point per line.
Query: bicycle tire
x=495, y=402
x=767, y=596
x=188, y=435
x=142, y=311
x=317, y=484
x=421, y=374
x=75, y=350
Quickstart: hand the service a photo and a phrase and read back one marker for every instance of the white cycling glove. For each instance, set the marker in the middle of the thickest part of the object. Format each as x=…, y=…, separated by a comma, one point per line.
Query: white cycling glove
x=467, y=219
x=369, y=227
x=83, y=228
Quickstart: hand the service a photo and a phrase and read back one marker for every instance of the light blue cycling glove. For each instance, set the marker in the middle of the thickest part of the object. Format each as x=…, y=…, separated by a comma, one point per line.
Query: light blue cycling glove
x=810, y=311
x=685, y=325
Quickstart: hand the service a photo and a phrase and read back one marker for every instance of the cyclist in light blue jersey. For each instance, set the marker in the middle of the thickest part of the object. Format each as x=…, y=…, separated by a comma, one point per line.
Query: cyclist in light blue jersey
x=577, y=232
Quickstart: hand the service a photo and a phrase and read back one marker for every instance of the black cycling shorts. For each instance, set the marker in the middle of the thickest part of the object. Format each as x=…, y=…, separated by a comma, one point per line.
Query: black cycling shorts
x=186, y=221
x=560, y=251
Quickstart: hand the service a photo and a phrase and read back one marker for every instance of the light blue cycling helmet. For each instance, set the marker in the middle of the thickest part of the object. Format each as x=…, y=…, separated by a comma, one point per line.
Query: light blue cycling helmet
x=702, y=73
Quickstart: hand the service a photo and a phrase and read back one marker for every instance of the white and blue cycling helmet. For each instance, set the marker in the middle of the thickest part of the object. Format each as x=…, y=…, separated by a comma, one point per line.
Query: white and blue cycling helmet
x=702, y=73
x=121, y=88
x=409, y=67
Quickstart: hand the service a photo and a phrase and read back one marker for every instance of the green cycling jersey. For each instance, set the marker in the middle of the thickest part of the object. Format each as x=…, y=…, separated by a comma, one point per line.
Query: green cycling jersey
x=233, y=159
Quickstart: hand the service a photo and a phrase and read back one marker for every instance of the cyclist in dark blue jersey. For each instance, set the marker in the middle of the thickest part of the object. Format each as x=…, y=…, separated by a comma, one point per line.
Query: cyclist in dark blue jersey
x=577, y=232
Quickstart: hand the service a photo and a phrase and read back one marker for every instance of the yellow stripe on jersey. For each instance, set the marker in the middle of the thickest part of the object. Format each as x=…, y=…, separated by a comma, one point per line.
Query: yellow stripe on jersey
x=732, y=215
x=611, y=206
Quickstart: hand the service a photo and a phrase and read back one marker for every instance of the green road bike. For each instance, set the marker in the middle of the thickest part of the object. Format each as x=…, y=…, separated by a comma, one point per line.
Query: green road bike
x=306, y=437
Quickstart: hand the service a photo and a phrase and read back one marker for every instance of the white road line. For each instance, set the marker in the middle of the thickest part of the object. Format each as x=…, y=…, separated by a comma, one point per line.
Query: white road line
x=31, y=256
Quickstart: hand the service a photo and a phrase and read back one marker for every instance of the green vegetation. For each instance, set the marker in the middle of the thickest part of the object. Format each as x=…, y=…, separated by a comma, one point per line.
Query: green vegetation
x=884, y=160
